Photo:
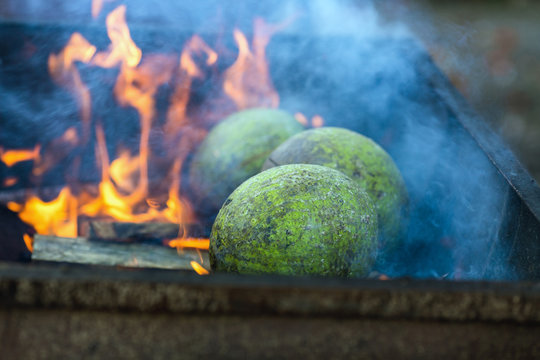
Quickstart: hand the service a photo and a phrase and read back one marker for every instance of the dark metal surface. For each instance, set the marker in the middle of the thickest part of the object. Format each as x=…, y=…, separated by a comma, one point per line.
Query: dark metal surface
x=55, y=334
x=108, y=289
x=74, y=312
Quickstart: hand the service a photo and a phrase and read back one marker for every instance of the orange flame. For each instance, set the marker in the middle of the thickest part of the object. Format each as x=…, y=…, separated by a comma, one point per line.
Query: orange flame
x=57, y=150
x=57, y=217
x=137, y=87
x=63, y=70
x=123, y=171
x=109, y=202
x=12, y=157
x=122, y=49
x=198, y=268
x=176, y=115
x=29, y=242
x=192, y=243
x=119, y=194
x=97, y=6
x=124, y=192
x=247, y=81
x=196, y=46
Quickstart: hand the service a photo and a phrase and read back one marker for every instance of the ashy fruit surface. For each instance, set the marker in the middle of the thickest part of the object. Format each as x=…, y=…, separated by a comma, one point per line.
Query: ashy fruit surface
x=362, y=160
x=296, y=220
x=234, y=150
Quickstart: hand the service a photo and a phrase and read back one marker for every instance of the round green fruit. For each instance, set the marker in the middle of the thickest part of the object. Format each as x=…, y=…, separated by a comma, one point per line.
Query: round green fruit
x=362, y=160
x=296, y=220
x=234, y=150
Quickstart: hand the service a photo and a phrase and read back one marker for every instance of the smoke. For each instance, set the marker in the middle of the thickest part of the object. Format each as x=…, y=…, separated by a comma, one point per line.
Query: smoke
x=375, y=77
x=343, y=61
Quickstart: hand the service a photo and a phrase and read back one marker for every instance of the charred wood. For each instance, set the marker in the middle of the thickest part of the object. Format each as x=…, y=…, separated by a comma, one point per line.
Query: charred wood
x=136, y=232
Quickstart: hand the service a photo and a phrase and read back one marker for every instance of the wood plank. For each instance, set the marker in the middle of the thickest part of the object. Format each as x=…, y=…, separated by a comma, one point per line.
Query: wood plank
x=81, y=250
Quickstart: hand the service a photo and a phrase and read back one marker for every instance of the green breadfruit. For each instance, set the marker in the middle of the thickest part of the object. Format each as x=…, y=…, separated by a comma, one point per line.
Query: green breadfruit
x=296, y=220
x=235, y=150
x=362, y=160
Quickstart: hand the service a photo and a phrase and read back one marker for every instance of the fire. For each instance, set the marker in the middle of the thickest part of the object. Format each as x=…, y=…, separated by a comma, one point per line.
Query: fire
x=109, y=202
x=187, y=71
x=57, y=150
x=123, y=170
x=63, y=70
x=192, y=243
x=196, y=46
x=124, y=192
x=97, y=6
x=58, y=217
x=198, y=268
x=12, y=157
x=247, y=81
x=29, y=242
x=122, y=49
x=136, y=87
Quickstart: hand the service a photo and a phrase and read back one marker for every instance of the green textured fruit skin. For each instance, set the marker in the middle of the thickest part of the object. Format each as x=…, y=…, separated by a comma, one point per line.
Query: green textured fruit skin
x=296, y=220
x=234, y=150
x=361, y=159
